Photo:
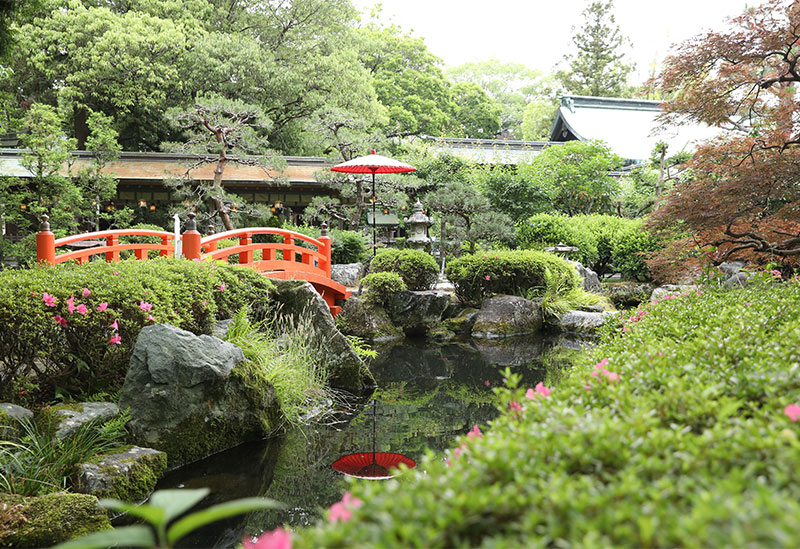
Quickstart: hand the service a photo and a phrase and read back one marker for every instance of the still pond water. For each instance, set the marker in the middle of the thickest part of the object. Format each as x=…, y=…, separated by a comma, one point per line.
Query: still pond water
x=427, y=395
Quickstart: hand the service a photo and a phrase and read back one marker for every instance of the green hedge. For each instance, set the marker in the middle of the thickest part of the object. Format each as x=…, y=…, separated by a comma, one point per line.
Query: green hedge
x=605, y=243
x=40, y=355
x=525, y=273
x=691, y=447
x=417, y=268
x=382, y=286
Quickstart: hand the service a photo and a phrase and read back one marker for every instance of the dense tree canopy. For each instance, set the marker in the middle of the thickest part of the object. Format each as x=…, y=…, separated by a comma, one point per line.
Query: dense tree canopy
x=744, y=197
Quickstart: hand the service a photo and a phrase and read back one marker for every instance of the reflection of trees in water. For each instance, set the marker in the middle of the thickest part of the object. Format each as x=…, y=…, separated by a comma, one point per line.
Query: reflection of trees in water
x=427, y=395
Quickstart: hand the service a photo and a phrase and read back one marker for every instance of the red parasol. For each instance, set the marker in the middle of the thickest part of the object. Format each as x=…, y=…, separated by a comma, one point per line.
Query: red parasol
x=373, y=163
x=372, y=465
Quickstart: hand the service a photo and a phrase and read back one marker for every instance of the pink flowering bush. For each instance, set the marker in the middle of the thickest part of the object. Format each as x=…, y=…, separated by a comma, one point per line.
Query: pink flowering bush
x=689, y=435
x=71, y=328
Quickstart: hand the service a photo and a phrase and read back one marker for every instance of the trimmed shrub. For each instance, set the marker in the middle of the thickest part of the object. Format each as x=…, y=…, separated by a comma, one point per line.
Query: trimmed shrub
x=673, y=433
x=543, y=230
x=72, y=327
x=382, y=286
x=631, y=245
x=418, y=269
x=605, y=243
x=525, y=273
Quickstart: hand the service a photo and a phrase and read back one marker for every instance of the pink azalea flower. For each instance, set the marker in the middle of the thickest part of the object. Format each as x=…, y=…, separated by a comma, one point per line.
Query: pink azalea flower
x=86, y=292
x=49, y=300
x=515, y=406
x=71, y=305
x=145, y=306
x=151, y=318
x=222, y=287
x=61, y=320
x=102, y=307
x=613, y=376
x=486, y=383
x=276, y=539
x=115, y=340
x=456, y=452
x=447, y=462
x=342, y=510
x=792, y=411
x=542, y=390
x=530, y=394
x=116, y=273
x=82, y=310
x=602, y=364
x=114, y=325
x=488, y=277
x=475, y=433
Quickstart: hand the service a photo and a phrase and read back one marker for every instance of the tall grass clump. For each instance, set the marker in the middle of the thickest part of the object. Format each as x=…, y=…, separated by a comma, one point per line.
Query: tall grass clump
x=37, y=463
x=279, y=352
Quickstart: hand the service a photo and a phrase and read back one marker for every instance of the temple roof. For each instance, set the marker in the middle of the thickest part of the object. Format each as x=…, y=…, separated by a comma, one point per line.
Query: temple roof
x=487, y=151
x=628, y=126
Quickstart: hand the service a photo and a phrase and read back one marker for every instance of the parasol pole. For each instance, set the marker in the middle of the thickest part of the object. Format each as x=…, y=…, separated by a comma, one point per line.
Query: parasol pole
x=374, y=428
x=374, y=230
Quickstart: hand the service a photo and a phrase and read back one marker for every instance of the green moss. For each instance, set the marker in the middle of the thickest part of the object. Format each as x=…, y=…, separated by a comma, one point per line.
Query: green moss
x=47, y=419
x=259, y=391
x=139, y=482
x=47, y=520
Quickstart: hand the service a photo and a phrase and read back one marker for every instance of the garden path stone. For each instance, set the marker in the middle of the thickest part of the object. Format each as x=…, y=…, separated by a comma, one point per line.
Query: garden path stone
x=70, y=421
x=507, y=316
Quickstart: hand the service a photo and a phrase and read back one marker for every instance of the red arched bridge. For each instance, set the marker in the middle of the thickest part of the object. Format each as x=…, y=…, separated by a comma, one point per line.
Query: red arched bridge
x=285, y=260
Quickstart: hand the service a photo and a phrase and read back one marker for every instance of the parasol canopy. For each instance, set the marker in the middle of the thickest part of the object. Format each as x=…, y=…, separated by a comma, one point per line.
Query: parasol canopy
x=373, y=163
x=372, y=465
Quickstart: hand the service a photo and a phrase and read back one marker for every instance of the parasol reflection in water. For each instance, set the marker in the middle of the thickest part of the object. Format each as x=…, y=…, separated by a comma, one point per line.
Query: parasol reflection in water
x=372, y=465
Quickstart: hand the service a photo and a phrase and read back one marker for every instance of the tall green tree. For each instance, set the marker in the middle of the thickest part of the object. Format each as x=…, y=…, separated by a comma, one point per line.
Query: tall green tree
x=475, y=113
x=408, y=80
x=512, y=85
x=597, y=65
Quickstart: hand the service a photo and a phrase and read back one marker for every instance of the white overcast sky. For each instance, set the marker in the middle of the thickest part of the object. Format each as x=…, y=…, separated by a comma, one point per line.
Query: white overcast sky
x=537, y=32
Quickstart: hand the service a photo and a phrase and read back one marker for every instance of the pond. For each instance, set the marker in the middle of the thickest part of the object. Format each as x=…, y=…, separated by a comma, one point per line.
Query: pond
x=427, y=395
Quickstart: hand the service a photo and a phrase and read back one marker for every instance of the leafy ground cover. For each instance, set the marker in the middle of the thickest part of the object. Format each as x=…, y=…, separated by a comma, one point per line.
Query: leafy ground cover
x=678, y=429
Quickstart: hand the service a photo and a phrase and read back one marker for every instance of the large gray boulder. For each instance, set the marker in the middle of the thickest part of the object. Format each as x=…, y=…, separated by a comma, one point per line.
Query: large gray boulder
x=347, y=274
x=583, y=322
x=298, y=299
x=129, y=475
x=591, y=282
x=416, y=312
x=188, y=398
x=367, y=320
x=731, y=268
x=739, y=279
x=507, y=316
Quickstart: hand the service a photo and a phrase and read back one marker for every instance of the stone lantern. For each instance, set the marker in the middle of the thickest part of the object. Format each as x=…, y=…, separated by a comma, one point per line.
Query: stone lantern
x=417, y=228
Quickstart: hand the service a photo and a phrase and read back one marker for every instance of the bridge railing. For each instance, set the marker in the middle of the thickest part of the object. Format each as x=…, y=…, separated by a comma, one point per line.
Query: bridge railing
x=106, y=243
x=287, y=255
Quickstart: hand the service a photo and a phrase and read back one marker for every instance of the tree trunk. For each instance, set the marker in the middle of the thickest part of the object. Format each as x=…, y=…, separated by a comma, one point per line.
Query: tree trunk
x=660, y=184
x=218, y=204
x=81, y=127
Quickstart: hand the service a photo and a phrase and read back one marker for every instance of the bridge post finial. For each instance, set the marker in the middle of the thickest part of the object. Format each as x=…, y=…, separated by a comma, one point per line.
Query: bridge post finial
x=45, y=243
x=191, y=224
x=324, y=231
x=211, y=230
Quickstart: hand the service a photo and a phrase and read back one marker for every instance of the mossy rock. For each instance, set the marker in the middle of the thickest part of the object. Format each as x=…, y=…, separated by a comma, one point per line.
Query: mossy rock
x=129, y=474
x=367, y=320
x=10, y=417
x=45, y=521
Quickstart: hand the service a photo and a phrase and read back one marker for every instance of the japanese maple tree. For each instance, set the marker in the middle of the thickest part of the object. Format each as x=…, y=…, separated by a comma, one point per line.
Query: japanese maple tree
x=744, y=198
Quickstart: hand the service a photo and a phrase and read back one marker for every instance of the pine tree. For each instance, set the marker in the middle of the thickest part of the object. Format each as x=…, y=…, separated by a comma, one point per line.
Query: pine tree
x=597, y=68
